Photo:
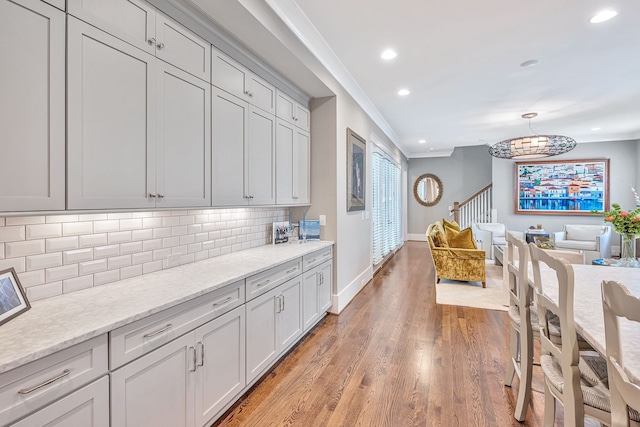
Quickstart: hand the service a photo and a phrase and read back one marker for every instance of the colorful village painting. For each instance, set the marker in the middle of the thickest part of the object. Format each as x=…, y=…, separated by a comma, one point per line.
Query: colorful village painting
x=561, y=187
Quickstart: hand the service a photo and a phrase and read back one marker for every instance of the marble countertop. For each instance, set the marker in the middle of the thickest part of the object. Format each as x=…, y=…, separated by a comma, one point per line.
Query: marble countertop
x=57, y=323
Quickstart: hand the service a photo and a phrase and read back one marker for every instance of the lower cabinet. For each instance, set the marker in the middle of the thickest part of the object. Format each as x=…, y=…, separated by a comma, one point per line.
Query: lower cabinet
x=86, y=407
x=274, y=323
x=316, y=293
x=186, y=381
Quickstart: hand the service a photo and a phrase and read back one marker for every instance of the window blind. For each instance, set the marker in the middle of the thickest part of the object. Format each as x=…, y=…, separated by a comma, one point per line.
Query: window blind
x=386, y=206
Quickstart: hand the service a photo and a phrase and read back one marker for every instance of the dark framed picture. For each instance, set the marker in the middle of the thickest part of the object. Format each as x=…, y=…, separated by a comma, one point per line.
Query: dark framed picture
x=13, y=300
x=356, y=163
x=562, y=187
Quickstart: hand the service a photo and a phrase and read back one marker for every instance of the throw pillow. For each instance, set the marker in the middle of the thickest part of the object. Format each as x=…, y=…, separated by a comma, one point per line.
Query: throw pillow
x=440, y=240
x=453, y=224
x=462, y=239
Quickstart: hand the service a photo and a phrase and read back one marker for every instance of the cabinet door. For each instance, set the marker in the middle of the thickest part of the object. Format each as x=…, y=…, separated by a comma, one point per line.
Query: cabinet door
x=310, y=284
x=183, y=145
x=262, y=94
x=88, y=406
x=285, y=134
x=229, y=75
x=157, y=389
x=262, y=345
x=285, y=108
x=229, y=131
x=111, y=134
x=325, y=286
x=130, y=20
x=182, y=48
x=301, y=170
x=290, y=313
x=221, y=363
x=303, y=117
x=32, y=106
x=260, y=158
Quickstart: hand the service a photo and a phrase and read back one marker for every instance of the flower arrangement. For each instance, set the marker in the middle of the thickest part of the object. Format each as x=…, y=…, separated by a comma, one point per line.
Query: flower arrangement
x=624, y=222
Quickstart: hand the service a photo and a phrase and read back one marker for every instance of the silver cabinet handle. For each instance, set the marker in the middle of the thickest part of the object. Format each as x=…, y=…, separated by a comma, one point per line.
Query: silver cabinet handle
x=45, y=383
x=152, y=195
x=294, y=197
x=223, y=302
x=291, y=270
x=160, y=195
x=282, y=296
x=201, y=347
x=311, y=261
x=246, y=197
x=322, y=278
x=194, y=358
x=151, y=41
x=263, y=283
x=160, y=46
x=251, y=197
x=327, y=254
x=278, y=305
x=159, y=331
x=318, y=279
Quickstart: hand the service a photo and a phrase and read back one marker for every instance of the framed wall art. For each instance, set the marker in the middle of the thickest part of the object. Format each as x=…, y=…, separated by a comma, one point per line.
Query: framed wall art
x=562, y=187
x=356, y=162
x=13, y=300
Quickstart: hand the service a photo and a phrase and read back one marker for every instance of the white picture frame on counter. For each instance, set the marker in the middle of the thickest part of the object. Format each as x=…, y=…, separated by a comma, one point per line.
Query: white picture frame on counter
x=13, y=299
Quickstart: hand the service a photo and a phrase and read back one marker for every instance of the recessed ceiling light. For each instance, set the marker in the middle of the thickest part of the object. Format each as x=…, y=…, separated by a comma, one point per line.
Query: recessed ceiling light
x=388, y=54
x=596, y=128
x=422, y=141
x=530, y=63
x=404, y=92
x=430, y=148
x=602, y=16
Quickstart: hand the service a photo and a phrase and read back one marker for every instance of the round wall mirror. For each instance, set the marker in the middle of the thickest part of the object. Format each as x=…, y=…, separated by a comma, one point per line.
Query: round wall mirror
x=428, y=189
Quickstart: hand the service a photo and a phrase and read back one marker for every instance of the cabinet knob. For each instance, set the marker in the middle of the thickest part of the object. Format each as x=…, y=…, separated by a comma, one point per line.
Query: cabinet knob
x=294, y=197
x=160, y=46
x=250, y=94
x=152, y=195
x=160, y=195
x=151, y=41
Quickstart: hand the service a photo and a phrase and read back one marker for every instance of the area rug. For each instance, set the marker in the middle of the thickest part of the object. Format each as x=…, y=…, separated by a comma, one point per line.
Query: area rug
x=472, y=294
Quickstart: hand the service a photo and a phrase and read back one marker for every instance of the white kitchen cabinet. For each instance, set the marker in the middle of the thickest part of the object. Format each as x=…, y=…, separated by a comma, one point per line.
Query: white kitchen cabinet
x=183, y=139
x=86, y=407
x=60, y=4
x=138, y=129
x=32, y=106
x=274, y=323
x=141, y=25
x=292, y=164
x=292, y=112
x=243, y=152
x=157, y=389
x=220, y=376
x=230, y=76
x=316, y=293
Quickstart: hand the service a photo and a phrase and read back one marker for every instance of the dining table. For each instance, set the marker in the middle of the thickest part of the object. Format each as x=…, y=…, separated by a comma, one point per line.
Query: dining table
x=587, y=306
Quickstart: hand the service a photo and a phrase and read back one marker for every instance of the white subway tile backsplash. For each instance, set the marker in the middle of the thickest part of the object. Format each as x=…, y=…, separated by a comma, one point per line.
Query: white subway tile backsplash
x=61, y=273
x=59, y=244
x=43, y=231
x=56, y=254
x=91, y=267
x=37, y=262
x=24, y=248
x=76, y=284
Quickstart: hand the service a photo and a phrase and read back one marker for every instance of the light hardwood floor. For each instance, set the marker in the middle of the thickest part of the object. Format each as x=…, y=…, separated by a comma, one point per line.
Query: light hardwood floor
x=393, y=358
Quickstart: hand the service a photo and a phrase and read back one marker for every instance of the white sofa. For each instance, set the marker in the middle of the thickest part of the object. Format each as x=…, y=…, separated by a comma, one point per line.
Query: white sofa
x=593, y=240
x=489, y=234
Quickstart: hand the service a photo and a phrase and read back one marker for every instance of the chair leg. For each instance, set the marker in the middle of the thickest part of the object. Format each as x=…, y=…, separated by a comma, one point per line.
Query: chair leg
x=513, y=356
x=526, y=373
x=549, y=407
x=438, y=281
x=484, y=284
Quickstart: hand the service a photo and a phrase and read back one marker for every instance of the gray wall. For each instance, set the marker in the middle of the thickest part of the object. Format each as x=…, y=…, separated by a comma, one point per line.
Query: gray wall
x=462, y=174
x=623, y=174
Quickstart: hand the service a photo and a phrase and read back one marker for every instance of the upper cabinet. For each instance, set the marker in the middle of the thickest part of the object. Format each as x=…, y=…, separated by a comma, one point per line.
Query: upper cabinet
x=232, y=77
x=138, y=129
x=293, y=112
x=292, y=164
x=140, y=24
x=32, y=106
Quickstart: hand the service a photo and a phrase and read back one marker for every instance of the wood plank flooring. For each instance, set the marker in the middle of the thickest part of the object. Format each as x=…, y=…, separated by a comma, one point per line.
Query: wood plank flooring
x=393, y=358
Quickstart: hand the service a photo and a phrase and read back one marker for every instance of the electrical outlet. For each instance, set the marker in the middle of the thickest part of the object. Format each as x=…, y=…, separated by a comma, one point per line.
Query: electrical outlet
x=366, y=214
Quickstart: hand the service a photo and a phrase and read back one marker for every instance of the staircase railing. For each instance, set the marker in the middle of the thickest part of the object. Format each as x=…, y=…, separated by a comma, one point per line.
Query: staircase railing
x=476, y=208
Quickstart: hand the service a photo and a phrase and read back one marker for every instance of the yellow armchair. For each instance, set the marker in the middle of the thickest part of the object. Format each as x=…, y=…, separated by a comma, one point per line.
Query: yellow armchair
x=455, y=263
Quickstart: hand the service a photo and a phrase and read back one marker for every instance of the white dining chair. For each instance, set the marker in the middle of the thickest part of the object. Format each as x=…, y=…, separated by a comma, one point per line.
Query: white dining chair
x=577, y=381
x=617, y=302
x=524, y=322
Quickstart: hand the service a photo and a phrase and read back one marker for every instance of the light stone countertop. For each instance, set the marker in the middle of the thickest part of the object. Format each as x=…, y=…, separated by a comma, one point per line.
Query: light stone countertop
x=57, y=323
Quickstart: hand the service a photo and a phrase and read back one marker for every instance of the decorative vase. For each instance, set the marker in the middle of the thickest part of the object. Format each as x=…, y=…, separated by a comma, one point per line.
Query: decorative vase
x=628, y=251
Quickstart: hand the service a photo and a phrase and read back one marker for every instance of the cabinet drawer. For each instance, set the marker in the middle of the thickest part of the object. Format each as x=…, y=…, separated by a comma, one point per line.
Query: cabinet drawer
x=269, y=279
x=36, y=384
x=136, y=339
x=315, y=258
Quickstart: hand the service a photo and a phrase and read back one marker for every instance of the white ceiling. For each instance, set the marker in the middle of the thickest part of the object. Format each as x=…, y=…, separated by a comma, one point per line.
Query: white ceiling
x=461, y=62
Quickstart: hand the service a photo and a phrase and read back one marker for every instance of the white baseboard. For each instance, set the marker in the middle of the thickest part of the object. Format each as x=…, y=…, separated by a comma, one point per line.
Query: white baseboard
x=416, y=236
x=341, y=300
